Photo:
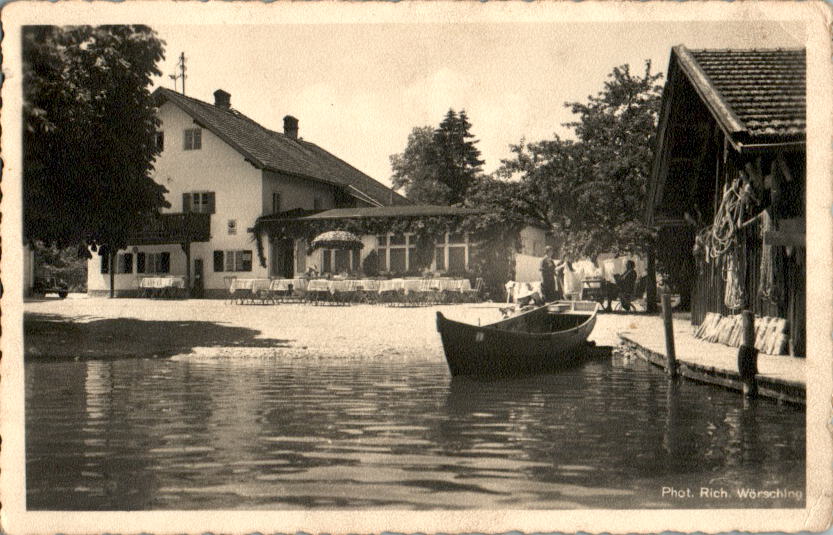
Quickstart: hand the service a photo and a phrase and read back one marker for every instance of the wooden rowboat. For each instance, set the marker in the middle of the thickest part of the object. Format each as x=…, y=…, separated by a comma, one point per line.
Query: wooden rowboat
x=544, y=338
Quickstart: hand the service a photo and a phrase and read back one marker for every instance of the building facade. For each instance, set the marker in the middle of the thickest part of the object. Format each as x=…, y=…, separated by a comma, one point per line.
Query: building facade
x=232, y=185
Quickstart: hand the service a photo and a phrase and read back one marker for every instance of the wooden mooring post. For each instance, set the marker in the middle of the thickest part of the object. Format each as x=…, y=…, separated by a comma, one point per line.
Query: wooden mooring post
x=748, y=356
x=668, y=322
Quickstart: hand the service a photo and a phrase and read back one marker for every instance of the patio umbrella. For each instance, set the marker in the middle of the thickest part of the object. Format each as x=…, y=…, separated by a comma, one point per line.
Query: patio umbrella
x=337, y=239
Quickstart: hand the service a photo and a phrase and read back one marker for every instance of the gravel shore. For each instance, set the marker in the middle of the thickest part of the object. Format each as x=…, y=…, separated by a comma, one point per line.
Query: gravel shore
x=78, y=328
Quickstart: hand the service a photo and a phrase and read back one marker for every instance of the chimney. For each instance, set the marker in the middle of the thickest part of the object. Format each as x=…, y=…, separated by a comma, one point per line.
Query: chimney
x=222, y=99
x=290, y=127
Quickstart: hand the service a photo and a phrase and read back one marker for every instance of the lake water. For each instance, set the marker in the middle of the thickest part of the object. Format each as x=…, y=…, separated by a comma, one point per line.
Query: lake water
x=193, y=433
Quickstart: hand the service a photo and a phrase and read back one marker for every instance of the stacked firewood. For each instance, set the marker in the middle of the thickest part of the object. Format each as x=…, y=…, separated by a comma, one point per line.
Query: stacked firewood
x=771, y=334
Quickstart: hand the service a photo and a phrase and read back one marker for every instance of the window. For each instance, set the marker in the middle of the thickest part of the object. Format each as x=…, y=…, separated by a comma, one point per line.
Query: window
x=232, y=227
x=159, y=141
x=153, y=262
x=276, y=202
x=232, y=261
x=202, y=202
x=452, y=252
x=105, y=263
x=125, y=263
x=395, y=252
x=192, y=139
x=339, y=260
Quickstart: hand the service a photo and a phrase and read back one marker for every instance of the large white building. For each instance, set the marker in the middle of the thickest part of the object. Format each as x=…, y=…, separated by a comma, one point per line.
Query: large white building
x=227, y=175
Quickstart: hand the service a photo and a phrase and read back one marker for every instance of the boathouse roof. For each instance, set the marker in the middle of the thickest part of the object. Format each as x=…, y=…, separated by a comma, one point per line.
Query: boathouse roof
x=756, y=96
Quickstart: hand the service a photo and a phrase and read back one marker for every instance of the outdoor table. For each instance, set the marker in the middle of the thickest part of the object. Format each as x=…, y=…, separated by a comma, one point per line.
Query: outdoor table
x=368, y=285
x=250, y=288
x=286, y=288
x=593, y=289
x=161, y=286
x=391, y=285
x=331, y=290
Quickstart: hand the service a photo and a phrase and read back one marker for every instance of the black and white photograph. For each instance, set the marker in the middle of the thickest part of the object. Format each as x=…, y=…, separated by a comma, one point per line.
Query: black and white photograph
x=416, y=267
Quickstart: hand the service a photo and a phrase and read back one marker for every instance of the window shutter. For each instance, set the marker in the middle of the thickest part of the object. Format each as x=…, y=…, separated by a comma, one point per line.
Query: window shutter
x=218, y=261
x=140, y=262
x=186, y=202
x=210, y=195
x=246, y=257
x=127, y=263
x=105, y=263
x=165, y=263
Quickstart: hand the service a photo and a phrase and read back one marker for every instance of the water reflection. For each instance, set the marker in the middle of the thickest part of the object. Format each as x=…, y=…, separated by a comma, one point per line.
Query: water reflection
x=220, y=433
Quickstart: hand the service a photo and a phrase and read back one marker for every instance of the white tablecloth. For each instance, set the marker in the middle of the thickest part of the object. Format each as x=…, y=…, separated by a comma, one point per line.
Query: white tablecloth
x=253, y=285
x=333, y=286
x=162, y=282
x=282, y=285
x=424, y=285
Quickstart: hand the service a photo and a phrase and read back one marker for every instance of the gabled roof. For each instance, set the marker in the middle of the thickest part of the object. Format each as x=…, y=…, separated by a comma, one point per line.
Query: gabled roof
x=274, y=151
x=401, y=211
x=757, y=96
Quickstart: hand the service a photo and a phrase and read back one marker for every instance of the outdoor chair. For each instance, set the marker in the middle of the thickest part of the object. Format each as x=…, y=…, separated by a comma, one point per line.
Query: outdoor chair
x=453, y=292
x=627, y=296
x=428, y=292
x=473, y=295
x=227, y=281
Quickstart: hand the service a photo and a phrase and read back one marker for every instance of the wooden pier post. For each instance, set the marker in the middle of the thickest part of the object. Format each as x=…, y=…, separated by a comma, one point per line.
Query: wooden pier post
x=668, y=322
x=651, y=286
x=748, y=355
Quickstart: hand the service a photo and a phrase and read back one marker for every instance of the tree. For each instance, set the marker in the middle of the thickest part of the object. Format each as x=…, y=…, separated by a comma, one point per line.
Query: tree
x=413, y=169
x=456, y=160
x=591, y=191
x=438, y=166
x=88, y=138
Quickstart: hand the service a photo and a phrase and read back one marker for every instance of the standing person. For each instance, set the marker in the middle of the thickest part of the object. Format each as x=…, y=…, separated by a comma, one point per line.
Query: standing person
x=548, y=276
x=572, y=281
x=627, y=284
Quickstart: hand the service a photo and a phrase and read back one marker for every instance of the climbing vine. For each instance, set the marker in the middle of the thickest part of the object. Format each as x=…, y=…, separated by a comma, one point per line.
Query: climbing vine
x=496, y=239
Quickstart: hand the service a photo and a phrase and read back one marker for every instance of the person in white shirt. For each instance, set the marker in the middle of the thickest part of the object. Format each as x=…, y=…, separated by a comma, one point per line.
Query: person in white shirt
x=572, y=278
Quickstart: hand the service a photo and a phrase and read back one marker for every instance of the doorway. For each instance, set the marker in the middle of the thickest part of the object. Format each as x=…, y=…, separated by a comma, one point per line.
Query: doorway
x=198, y=286
x=283, y=258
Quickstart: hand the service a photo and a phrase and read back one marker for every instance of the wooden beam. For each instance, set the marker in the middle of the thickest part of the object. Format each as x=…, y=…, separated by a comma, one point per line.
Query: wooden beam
x=785, y=238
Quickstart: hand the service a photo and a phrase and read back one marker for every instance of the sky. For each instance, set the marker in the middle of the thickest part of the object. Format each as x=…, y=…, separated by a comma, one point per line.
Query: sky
x=359, y=89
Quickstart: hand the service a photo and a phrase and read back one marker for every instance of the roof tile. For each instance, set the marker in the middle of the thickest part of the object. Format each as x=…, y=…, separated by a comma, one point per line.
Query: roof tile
x=765, y=88
x=275, y=151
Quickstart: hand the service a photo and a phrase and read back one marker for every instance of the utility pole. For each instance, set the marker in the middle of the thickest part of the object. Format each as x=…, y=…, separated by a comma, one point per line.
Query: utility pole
x=181, y=75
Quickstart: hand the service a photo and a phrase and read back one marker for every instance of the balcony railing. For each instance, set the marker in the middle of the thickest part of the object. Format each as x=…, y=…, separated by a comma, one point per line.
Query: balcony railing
x=174, y=228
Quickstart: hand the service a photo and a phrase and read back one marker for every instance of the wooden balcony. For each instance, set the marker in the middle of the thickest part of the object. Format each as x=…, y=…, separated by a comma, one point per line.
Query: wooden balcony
x=174, y=228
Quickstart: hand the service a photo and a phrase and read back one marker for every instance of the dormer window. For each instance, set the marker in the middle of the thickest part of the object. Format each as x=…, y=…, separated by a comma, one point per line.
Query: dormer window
x=192, y=139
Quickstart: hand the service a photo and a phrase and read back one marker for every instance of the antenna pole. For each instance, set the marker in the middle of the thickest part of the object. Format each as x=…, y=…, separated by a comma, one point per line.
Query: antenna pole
x=182, y=70
x=181, y=74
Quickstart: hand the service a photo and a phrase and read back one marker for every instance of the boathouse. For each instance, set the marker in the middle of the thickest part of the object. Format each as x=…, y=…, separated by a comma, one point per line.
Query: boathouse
x=727, y=189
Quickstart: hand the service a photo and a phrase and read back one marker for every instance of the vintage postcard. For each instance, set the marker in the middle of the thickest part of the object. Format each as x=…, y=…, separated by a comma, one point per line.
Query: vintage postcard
x=416, y=267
